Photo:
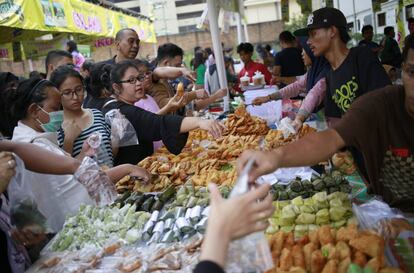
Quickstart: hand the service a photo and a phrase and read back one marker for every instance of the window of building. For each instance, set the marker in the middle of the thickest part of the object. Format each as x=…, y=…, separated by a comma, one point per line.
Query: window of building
x=381, y=19
x=368, y=20
x=117, y=1
x=189, y=15
x=409, y=11
x=350, y=26
x=188, y=2
x=190, y=28
x=136, y=9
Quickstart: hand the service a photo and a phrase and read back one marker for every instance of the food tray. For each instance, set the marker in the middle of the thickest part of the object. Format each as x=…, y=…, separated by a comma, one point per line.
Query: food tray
x=252, y=87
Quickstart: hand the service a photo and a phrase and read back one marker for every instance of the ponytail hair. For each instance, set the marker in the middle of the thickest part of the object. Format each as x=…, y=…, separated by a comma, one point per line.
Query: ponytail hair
x=99, y=79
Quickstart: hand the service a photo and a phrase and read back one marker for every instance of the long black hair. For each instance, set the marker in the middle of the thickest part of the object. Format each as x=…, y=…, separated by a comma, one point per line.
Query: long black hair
x=28, y=92
x=198, y=59
x=8, y=85
x=118, y=71
x=62, y=73
x=99, y=79
x=72, y=46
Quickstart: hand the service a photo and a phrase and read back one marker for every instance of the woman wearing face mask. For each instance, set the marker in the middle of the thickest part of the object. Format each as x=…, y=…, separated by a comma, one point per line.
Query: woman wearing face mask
x=78, y=123
x=313, y=82
x=128, y=89
x=36, y=108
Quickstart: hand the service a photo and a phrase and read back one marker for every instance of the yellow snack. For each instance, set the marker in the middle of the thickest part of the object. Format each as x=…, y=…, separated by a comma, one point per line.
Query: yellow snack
x=180, y=89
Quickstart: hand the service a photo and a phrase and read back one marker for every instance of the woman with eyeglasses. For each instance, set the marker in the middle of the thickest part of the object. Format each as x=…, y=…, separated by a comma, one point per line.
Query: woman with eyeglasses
x=127, y=87
x=36, y=111
x=78, y=123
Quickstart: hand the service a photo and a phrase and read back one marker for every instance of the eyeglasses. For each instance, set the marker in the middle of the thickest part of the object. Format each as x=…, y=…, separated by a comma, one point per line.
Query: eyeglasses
x=79, y=91
x=133, y=80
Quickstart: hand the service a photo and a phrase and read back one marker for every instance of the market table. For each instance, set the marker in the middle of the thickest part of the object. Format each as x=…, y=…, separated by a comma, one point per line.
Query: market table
x=161, y=232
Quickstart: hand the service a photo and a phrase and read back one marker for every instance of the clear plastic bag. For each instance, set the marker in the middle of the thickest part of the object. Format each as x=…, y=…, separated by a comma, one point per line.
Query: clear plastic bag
x=24, y=212
x=122, y=132
x=285, y=125
x=379, y=216
x=99, y=186
x=99, y=154
x=250, y=253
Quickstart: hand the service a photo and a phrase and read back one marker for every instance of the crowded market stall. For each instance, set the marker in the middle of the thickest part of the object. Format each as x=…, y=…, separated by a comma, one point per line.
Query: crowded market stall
x=324, y=220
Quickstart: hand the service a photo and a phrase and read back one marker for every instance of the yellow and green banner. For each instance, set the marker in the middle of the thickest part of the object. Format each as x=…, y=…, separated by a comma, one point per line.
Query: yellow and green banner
x=400, y=23
x=25, y=19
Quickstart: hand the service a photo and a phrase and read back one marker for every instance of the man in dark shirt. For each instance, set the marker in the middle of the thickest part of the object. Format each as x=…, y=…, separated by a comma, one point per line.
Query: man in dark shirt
x=380, y=125
x=127, y=46
x=368, y=34
x=391, y=53
x=353, y=72
x=288, y=61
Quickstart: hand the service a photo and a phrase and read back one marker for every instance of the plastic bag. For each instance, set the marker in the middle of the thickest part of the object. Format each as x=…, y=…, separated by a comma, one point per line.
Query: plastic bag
x=24, y=212
x=250, y=253
x=379, y=216
x=97, y=183
x=390, y=224
x=99, y=154
x=122, y=132
x=285, y=125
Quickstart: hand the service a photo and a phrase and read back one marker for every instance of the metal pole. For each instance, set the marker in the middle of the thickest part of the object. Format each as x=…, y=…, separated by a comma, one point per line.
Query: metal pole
x=355, y=18
x=218, y=50
x=246, y=33
x=240, y=37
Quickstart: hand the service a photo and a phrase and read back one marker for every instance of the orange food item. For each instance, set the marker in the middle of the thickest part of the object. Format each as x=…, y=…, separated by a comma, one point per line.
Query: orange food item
x=180, y=89
x=307, y=251
x=318, y=261
x=286, y=259
x=369, y=244
x=325, y=235
x=343, y=265
x=360, y=259
x=298, y=256
x=331, y=267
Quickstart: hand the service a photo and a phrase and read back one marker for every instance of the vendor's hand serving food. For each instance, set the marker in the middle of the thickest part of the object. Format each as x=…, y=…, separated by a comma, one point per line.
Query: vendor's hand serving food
x=261, y=100
x=189, y=74
x=215, y=128
x=265, y=162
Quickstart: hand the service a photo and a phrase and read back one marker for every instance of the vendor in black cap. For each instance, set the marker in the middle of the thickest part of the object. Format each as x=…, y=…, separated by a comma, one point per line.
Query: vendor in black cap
x=353, y=72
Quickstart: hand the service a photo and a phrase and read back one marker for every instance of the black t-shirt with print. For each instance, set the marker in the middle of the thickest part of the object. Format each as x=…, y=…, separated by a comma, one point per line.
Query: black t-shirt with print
x=359, y=73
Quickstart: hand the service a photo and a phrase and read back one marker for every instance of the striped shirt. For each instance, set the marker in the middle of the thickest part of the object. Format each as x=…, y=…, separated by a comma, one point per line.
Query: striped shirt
x=104, y=156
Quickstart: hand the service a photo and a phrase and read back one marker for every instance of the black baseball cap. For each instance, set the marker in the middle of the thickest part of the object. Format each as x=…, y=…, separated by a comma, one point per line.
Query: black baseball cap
x=324, y=17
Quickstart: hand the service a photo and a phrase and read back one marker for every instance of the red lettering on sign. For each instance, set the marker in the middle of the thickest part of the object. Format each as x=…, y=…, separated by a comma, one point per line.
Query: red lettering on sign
x=4, y=53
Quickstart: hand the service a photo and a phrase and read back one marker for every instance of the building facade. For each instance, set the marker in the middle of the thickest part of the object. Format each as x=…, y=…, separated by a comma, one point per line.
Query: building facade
x=183, y=16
